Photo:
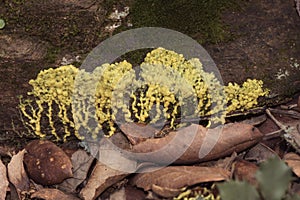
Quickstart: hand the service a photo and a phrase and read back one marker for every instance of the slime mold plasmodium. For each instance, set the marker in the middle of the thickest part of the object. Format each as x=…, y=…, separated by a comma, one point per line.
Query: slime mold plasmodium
x=52, y=92
x=244, y=97
x=68, y=100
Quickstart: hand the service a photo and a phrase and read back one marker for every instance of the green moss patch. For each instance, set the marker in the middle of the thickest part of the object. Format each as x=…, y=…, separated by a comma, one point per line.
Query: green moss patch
x=199, y=19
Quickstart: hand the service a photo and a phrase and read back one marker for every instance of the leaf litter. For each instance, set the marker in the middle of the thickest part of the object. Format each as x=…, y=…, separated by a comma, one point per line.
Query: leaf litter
x=52, y=194
x=293, y=161
x=17, y=174
x=4, y=182
x=172, y=179
x=101, y=178
x=90, y=180
x=213, y=143
x=81, y=162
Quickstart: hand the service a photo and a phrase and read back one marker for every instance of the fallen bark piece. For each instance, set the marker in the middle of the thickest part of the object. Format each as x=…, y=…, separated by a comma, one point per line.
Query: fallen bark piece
x=101, y=178
x=4, y=182
x=293, y=161
x=46, y=163
x=17, y=174
x=52, y=194
x=168, y=181
x=196, y=143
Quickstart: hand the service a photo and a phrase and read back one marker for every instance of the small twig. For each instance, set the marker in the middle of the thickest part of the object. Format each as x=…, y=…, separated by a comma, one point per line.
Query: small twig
x=291, y=113
x=279, y=124
x=289, y=132
x=273, y=134
x=288, y=107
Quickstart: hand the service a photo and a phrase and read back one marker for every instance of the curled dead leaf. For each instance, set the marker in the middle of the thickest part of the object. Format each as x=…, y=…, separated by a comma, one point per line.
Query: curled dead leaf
x=169, y=180
x=166, y=192
x=127, y=192
x=196, y=143
x=260, y=153
x=256, y=120
x=52, y=194
x=17, y=174
x=46, y=163
x=118, y=195
x=81, y=162
x=293, y=161
x=6, y=151
x=137, y=133
x=131, y=191
x=101, y=178
x=4, y=182
x=245, y=171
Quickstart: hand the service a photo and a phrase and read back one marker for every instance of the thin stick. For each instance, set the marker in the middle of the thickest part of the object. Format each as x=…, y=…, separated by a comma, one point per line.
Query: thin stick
x=278, y=123
x=289, y=134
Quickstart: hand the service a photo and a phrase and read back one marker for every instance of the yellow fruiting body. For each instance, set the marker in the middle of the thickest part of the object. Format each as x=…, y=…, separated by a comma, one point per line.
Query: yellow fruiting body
x=244, y=97
x=52, y=90
x=68, y=101
x=198, y=193
x=188, y=78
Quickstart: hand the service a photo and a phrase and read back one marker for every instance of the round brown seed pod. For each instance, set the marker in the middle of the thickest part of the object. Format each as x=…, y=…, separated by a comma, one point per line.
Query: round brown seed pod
x=46, y=163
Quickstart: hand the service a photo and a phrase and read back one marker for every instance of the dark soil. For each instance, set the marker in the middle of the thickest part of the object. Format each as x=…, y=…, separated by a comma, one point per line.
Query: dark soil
x=38, y=34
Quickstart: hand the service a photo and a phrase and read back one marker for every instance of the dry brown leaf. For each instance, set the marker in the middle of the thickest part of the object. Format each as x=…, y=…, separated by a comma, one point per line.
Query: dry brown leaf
x=101, y=178
x=290, y=129
x=137, y=133
x=208, y=144
x=81, y=162
x=4, y=182
x=255, y=121
x=52, y=194
x=118, y=195
x=133, y=193
x=260, y=153
x=7, y=151
x=293, y=161
x=245, y=171
x=16, y=173
x=225, y=163
x=165, y=192
x=119, y=140
x=176, y=177
x=46, y=163
x=112, y=155
x=295, y=188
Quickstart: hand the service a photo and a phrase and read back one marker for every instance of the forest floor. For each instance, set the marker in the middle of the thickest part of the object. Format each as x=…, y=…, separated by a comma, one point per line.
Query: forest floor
x=264, y=44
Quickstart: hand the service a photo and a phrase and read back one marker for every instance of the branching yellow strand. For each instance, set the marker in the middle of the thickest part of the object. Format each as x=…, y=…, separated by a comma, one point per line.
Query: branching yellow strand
x=166, y=86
